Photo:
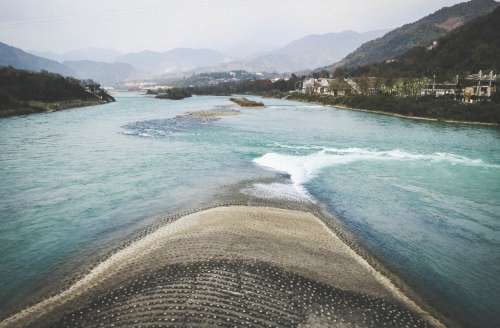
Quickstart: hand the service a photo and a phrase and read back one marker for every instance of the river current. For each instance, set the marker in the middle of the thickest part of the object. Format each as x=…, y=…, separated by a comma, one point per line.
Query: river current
x=424, y=197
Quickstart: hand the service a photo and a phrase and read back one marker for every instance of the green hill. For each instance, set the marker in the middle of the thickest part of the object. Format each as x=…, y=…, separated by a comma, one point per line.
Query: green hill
x=470, y=48
x=26, y=92
x=17, y=58
x=420, y=33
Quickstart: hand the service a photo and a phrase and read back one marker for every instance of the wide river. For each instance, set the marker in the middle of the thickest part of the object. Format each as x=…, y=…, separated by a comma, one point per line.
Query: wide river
x=423, y=197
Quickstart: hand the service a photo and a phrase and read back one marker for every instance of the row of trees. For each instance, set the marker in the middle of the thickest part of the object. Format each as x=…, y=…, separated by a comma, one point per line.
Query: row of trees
x=431, y=107
x=19, y=88
x=23, y=85
x=262, y=87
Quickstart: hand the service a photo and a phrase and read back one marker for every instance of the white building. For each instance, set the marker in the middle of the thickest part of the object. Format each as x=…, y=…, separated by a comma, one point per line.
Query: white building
x=328, y=87
x=317, y=86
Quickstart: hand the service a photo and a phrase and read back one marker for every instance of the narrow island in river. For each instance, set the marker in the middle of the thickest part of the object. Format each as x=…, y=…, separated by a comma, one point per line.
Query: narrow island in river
x=172, y=93
x=245, y=102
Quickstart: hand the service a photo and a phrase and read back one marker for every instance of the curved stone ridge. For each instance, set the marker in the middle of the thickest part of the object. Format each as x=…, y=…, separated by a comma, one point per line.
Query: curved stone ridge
x=231, y=267
x=235, y=294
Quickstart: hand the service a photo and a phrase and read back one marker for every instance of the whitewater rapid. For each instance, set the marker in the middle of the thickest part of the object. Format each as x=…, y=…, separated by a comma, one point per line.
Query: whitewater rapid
x=303, y=168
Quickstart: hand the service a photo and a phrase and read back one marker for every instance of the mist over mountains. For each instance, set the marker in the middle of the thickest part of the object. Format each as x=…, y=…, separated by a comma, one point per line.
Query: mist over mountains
x=17, y=58
x=348, y=49
x=102, y=72
x=109, y=67
x=309, y=52
x=92, y=54
x=175, y=60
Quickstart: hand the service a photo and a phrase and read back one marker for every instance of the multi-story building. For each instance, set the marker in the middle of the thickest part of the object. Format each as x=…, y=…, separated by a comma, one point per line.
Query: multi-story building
x=316, y=86
x=472, y=88
x=479, y=86
x=327, y=87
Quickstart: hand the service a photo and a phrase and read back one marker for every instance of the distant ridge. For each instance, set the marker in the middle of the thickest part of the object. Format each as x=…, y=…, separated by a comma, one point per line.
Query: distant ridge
x=474, y=46
x=17, y=58
x=91, y=53
x=175, y=60
x=107, y=74
x=305, y=53
x=420, y=33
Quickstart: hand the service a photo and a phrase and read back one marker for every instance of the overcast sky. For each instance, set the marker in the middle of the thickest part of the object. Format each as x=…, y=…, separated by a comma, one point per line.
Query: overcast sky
x=226, y=25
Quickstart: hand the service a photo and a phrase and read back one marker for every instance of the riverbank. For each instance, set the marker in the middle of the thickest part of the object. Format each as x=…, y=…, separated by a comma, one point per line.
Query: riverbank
x=418, y=118
x=232, y=266
x=25, y=92
x=490, y=113
x=33, y=107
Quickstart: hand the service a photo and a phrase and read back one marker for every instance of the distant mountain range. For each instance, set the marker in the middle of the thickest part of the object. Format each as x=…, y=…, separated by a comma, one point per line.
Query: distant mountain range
x=175, y=60
x=105, y=73
x=17, y=58
x=148, y=62
x=109, y=67
x=306, y=53
x=92, y=54
x=472, y=47
x=420, y=33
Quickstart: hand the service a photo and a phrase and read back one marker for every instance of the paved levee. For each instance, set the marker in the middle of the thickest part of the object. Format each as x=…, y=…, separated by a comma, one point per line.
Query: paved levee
x=231, y=267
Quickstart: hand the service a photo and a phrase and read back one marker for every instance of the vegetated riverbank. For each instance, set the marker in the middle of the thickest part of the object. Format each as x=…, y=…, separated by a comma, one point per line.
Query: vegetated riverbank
x=25, y=92
x=250, y=250
x=245, y=102
x=172, y=94
x=32, y=107
x=425, y=108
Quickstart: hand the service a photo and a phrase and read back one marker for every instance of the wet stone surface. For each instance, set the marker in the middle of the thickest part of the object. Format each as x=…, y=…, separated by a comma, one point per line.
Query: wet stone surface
x=232, y=293
x=164, y=127
x=228, y=266
x=178, y=124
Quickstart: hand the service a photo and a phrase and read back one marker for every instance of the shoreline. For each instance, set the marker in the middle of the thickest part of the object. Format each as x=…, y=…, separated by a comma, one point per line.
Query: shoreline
x=99, y=271
x=41, y=107
x=417, y=118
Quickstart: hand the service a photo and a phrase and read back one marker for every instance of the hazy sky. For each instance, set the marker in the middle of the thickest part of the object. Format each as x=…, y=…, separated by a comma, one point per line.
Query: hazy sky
x=227, y=25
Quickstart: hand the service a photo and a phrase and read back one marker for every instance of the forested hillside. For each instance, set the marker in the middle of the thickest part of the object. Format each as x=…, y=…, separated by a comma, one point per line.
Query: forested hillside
x=24, y=92
x=472, y=47
x=418, y=34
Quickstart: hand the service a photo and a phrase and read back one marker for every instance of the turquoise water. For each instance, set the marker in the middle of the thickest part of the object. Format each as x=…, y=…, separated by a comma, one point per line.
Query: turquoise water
x=423, y=197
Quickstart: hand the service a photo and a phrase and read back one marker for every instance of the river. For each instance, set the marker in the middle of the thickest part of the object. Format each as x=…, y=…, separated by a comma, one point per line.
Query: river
x=424, y=197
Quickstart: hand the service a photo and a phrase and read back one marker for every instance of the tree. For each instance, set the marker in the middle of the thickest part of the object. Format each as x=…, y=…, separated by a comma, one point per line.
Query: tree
x=496, y=97
x=324, y=74
x=340, y=73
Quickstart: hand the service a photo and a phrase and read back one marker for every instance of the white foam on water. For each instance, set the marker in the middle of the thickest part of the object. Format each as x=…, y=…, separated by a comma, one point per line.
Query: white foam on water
x=304, y=168
x=276, y=190
x=279, y=145
x=134, y=133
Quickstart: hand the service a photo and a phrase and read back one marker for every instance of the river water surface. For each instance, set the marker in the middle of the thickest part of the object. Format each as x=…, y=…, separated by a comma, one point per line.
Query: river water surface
x=424, y=197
